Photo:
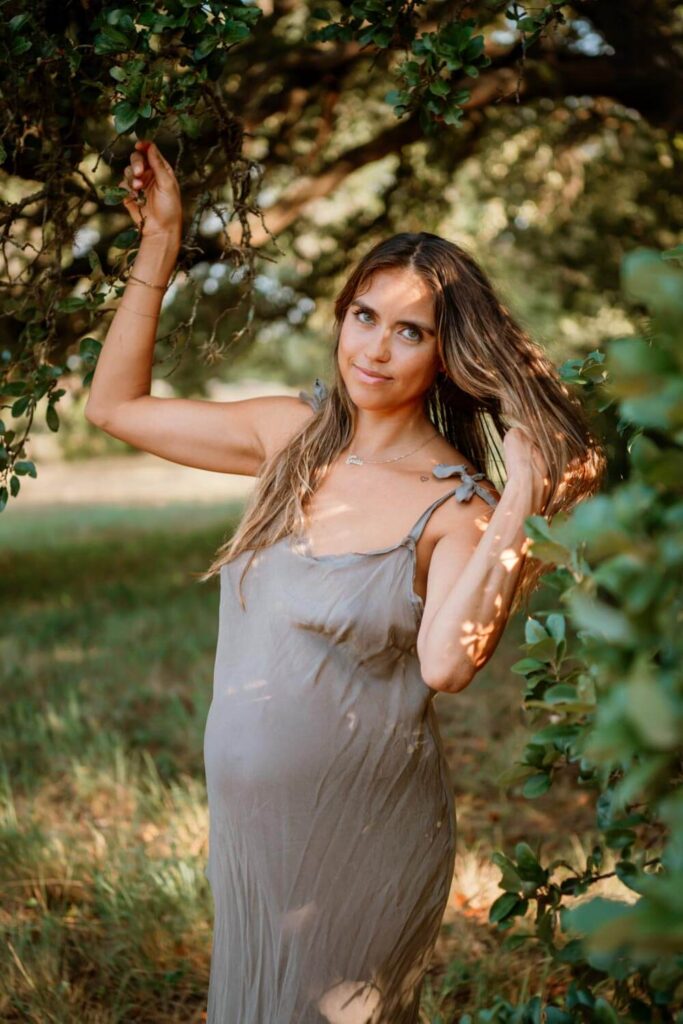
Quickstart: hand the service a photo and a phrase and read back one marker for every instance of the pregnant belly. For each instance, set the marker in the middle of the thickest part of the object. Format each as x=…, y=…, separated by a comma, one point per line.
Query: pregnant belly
x=257, y=738
x=251, y=742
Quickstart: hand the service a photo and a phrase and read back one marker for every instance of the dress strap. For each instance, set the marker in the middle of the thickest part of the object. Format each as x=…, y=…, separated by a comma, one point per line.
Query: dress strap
x=469, y=485
x=316, y=399
x=463, y=492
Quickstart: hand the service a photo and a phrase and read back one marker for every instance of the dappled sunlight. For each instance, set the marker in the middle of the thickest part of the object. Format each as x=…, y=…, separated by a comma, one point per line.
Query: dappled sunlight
x=350, y=1002
x=509, y=559
x=475, y=884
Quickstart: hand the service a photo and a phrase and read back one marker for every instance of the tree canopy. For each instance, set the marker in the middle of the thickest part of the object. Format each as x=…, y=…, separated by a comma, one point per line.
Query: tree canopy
x=543, y=134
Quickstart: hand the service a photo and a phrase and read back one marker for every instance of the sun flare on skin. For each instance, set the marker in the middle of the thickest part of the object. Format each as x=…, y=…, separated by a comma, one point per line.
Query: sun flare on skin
x=509, y=559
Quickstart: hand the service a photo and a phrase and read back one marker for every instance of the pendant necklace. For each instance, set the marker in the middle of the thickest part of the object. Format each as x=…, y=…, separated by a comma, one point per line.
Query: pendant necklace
x=358, y=460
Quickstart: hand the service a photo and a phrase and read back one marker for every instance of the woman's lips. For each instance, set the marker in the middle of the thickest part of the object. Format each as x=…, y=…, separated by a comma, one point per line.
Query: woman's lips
x=370, y=378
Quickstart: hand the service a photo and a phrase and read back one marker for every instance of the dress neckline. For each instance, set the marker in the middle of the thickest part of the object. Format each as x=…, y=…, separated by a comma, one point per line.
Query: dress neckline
x=301, y=543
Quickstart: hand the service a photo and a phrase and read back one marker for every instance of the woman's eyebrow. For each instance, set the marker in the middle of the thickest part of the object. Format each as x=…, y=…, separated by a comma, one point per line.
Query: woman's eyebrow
x=409, y=323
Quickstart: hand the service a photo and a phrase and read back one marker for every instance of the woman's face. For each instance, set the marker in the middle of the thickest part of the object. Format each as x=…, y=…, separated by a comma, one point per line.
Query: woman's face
x=389, y=330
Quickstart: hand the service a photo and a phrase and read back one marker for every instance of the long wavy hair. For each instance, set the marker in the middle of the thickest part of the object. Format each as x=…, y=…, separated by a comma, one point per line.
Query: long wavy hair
x=495, y=377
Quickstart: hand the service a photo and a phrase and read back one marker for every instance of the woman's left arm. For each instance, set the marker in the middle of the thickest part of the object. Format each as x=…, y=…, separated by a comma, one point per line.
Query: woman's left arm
x=465, y=614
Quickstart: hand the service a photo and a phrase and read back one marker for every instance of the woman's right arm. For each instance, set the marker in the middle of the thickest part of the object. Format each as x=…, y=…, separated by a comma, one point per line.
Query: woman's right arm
x=228, y=437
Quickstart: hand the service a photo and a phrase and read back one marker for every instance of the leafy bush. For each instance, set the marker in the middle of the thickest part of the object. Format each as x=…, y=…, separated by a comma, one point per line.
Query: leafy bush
x=604, y=674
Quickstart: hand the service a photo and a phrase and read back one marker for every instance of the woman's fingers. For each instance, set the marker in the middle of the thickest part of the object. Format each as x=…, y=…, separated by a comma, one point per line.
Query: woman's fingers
x=138, y=177
x=147, y=165
x=163, y=172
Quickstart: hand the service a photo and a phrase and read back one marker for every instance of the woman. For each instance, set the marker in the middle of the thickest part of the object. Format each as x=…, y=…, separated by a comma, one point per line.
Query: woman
x=352, y=592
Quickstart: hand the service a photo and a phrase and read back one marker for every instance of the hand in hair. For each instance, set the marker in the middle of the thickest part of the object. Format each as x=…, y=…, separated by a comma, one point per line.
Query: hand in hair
x=524, y=460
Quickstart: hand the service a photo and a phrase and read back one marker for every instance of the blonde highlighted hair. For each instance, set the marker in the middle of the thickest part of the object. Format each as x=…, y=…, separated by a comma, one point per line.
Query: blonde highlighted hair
x=495, y=377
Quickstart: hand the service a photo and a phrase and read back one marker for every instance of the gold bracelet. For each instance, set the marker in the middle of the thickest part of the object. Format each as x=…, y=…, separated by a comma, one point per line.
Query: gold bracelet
x=161, y=287
x=152, y=316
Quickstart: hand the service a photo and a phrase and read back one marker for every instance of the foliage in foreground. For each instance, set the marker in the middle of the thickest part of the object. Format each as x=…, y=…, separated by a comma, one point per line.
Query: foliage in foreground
x=604, y=674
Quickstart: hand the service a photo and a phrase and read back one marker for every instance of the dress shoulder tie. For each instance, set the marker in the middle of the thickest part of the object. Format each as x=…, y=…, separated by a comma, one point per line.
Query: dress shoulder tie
x=469, y=485
x=316, y=399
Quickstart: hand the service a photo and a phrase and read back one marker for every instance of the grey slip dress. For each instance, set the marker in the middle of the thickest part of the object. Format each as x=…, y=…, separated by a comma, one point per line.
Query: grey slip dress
x=331, y=816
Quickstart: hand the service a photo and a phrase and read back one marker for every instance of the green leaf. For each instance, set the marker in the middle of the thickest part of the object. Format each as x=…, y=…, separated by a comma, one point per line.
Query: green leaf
x=236, y=32
x=526, y=666
x=528, y=866
x=89, y=348
x=600, y=620
x=20, y=45
x=555, y=625
x=571, y=953
x=17, y=387
x=190, y=125
x=51, y=417
x=125, y=116
x=534, y=631
x=553, y=1015
x=545, y=543
x=559, y=734
x=629, y=874
x=71, y=304
x=20, y=406
x=510, y=880
x=453, y=115
x=536, y=785
x=507, y=905
x=651, y=711
x=113, y=196
x=562, y=693
x=647, y=278
x=25, y=468
x=439, y=87
x=18, y=21
x=205, y=47
x=592, y=914
x=125, y=239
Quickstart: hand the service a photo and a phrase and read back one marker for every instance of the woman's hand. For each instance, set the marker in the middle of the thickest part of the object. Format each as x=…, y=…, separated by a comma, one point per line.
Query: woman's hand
x=159, y=208
x=523, y=458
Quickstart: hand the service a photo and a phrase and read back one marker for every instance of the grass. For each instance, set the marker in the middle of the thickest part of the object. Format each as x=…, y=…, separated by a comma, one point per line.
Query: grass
x=107, y=659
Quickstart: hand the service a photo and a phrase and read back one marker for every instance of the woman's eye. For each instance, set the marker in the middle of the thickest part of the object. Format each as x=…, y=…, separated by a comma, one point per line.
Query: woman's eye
x=358, y=313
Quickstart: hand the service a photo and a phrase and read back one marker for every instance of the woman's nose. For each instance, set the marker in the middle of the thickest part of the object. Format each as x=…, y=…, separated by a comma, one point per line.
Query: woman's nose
x=379, y=345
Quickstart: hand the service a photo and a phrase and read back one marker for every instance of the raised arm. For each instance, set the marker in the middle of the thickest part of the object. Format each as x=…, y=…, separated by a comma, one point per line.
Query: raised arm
x=472, y=577
x=228, y=437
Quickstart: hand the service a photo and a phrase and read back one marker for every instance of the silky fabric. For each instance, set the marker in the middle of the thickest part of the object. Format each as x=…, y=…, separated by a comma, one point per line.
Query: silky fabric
x=331, y=817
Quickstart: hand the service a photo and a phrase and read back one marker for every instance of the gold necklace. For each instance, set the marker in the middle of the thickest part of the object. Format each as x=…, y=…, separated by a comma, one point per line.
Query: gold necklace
x=358, y=460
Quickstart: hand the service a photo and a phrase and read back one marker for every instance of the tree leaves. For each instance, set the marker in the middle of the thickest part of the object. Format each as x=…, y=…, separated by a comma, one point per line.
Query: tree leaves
x=607, y=669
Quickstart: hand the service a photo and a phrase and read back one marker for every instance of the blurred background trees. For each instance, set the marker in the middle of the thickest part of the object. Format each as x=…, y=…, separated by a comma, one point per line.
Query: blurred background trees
x=542, y=137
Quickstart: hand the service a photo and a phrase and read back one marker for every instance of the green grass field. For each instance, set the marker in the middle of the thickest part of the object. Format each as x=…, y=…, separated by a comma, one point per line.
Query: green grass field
x=106, y=655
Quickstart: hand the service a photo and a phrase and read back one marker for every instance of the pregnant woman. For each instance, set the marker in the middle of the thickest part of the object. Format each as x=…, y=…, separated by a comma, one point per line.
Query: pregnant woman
x=375, y=566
